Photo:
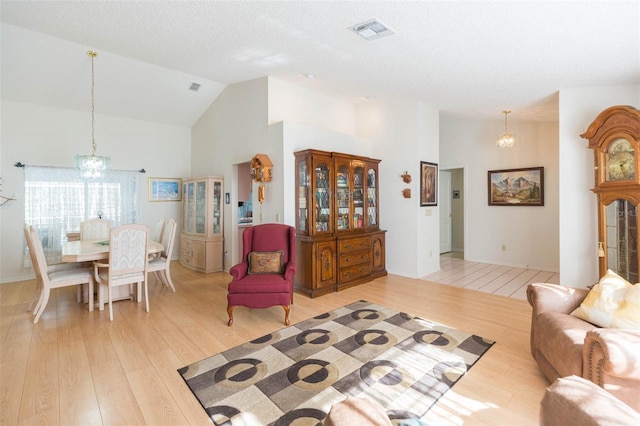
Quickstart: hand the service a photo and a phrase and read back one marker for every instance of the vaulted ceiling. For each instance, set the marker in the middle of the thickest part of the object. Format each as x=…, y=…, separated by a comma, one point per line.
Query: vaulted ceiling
x=465, y=58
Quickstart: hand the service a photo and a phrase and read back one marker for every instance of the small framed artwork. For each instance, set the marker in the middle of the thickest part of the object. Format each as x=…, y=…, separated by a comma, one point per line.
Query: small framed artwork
x=428, y=184
x=165, y=189
x=516, y=187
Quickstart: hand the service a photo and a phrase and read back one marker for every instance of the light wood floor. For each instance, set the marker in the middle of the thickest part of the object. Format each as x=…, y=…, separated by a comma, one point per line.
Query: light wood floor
x=488, y=278
x=76, y=368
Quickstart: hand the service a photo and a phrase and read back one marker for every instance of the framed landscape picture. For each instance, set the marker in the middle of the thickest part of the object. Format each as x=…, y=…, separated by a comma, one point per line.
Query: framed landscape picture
x=165, y=189
x=428, y=184
x=516, y=187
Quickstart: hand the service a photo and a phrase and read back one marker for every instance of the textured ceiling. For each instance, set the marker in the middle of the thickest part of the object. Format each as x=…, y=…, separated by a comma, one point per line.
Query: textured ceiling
x=470, y=58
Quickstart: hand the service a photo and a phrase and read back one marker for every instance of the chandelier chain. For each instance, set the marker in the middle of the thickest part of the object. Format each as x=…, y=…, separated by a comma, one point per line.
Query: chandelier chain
x=92, y=54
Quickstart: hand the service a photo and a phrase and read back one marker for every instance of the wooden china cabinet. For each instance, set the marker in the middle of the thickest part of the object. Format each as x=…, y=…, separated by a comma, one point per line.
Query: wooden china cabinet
x=339, y=242
x=614, y=137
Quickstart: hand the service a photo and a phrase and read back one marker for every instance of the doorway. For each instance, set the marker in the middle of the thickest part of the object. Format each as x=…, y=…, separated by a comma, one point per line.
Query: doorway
x=451, y=197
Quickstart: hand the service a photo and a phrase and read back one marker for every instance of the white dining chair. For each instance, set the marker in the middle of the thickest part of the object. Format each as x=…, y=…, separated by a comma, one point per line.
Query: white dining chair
x=128, y=262
x=95, y=229
x=34, y=303
x=47, y=281
x=160, y=266
x=158, y=230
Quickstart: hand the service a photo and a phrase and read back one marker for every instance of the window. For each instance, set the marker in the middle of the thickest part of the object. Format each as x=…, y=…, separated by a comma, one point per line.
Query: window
x=57, y=199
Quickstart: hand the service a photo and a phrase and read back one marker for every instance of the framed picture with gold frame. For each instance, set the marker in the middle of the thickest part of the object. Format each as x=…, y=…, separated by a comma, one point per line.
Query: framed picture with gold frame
x=165, y=189
x=516, y=187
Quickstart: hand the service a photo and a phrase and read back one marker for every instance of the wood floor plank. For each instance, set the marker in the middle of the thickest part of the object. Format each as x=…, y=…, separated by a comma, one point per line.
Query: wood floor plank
x=125, y=371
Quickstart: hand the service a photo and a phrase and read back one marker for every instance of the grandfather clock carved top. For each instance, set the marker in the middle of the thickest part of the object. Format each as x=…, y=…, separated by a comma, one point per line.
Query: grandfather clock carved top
x=614, y=137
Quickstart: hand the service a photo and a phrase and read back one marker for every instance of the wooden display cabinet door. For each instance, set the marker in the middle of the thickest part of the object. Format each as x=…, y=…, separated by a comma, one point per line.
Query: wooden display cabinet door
x=377, y=253
x=326, y=264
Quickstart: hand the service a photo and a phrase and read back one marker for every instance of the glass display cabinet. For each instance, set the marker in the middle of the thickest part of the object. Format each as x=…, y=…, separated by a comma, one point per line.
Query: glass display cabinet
x=201, y=239
x=339, y=243
x=614, y=137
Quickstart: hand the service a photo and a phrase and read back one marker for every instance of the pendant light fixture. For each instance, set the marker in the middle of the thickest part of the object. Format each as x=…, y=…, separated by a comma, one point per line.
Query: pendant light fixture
x=507, y=140
x=91, y=166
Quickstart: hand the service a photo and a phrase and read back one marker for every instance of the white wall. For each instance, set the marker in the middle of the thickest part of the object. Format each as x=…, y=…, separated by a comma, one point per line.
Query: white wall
x=295, y=103
x=578, y=207
x=403, y=133
x=530, y=234
x=49, y=136
x=232, y=131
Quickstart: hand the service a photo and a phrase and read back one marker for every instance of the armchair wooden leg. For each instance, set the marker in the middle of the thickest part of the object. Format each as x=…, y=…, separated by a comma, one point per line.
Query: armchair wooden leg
x=230, y=312
x=287, y=309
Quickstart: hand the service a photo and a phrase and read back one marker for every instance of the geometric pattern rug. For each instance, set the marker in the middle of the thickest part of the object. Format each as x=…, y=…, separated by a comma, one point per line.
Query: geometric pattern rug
x=296, y=374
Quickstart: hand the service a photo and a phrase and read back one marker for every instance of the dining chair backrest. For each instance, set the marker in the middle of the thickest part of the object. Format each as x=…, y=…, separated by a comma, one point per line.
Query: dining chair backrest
x=36, y=252
x=32, y=250
x=168, y=238
x=128, y=246
x=158, y=230
x=95, y=229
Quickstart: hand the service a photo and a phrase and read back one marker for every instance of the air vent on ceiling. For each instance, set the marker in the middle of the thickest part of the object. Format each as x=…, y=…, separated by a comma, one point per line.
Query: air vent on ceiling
x=372, y=29
x=194, y=87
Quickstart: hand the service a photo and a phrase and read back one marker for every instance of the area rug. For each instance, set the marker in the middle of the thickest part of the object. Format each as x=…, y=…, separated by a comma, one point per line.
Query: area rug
x=296, y=374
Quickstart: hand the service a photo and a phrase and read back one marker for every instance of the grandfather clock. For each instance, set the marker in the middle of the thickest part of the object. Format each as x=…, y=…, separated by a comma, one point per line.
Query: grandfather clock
x=614, y=137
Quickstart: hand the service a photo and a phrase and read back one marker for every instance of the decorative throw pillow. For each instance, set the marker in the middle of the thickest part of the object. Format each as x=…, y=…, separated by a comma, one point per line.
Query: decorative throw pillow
x=612, y=303
x=267, y=262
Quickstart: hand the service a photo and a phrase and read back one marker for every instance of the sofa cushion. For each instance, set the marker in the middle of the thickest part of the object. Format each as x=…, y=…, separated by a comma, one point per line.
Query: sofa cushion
x=612, y=303
x=560, y=338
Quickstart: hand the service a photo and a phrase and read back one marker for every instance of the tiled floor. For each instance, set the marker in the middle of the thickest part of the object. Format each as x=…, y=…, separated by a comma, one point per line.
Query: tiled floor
x=488, y=278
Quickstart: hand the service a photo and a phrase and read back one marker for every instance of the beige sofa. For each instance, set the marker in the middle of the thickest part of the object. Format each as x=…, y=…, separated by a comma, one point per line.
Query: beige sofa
x=564, y=345
x=576, y=401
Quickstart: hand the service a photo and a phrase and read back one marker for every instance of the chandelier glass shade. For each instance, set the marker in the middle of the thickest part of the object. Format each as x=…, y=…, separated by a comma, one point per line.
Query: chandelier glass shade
x=92, y=166
x=507, y=140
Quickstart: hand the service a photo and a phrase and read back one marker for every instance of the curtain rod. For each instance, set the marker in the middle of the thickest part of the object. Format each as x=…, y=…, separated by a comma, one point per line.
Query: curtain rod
x=20, y=164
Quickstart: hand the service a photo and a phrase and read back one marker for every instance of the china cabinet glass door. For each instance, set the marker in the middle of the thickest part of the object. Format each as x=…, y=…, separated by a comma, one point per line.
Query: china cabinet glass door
x=372, y=198
x=322, y=197
x=343, y=194
x=201, y=207
x=358, y=196
x=217, y=204
x=303, y=190
x=189, y=207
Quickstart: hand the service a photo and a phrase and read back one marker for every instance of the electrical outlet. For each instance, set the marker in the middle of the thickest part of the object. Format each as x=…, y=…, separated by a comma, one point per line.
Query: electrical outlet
x=430, y=253
x=504, y=247
x=277, y=217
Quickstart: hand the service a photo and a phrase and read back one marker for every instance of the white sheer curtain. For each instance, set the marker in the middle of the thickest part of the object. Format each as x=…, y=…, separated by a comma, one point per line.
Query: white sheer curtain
x=57, y=199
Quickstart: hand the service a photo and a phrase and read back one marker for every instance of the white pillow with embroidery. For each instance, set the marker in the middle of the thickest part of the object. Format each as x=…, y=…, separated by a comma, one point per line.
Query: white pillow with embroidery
x=612, y=303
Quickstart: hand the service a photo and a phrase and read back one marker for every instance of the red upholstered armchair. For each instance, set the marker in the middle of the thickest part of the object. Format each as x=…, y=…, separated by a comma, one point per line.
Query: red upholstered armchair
x=264, y=278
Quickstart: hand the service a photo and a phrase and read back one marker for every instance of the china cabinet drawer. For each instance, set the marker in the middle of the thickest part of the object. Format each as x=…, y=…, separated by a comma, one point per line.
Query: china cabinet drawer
x=354, y=272
x=348, y=246
x=357, y=258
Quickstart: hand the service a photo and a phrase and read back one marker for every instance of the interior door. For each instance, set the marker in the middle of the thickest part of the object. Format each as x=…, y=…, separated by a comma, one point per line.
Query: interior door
x=444, y=201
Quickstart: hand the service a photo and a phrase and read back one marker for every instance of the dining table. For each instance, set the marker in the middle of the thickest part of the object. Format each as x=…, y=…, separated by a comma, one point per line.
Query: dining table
x=90, y=250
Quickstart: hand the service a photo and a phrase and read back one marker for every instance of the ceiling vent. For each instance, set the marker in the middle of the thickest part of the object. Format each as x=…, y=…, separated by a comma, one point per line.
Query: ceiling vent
x=372, y=29
x=194, y=87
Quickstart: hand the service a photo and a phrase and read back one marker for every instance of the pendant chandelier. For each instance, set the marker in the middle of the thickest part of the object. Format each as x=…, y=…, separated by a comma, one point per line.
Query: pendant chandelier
x=91, y=166
x=507, y=140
